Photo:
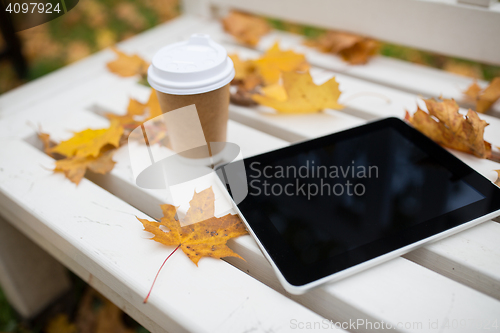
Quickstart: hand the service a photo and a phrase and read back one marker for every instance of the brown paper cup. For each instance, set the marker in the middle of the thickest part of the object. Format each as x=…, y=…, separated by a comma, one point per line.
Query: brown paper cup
x=212, y=108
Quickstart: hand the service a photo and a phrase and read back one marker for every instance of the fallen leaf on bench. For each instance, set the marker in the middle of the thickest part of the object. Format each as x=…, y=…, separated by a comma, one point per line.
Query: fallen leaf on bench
x=275, y=61
x=137, y=114
x=354, y=49
x=201, y=235
x=142, y=114
x=74, y=168
x=484, y=98
x=446, y=126
x=93, y=149
x=498, y=179
x=254, y=74
x=299, y=94
x=128, y=65
x=46, y=142
x=247, y=29
x=206, y=238
x=90, y=141
x=246, y=81
x=275, y=91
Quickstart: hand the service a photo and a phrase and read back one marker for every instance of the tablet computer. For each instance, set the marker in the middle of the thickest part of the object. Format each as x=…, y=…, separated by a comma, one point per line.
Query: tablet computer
x=323, y=209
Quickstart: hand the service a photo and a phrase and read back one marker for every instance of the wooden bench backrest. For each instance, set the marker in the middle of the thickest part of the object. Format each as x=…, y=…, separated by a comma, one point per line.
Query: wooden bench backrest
x=469, y=31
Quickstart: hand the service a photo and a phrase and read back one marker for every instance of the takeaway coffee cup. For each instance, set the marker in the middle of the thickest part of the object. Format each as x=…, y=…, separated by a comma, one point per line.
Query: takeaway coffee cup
x=193, y=72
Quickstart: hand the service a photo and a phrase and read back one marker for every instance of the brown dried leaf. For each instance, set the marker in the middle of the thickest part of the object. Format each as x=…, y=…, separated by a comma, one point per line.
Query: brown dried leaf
x=242, y=97
x=361, y=52
x=452, y=129
x=247, y=29
x=484, y=99
x=352, y=48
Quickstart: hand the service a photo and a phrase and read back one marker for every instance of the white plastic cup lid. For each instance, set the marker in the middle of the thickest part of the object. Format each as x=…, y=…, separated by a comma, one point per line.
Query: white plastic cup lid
x=195, y=66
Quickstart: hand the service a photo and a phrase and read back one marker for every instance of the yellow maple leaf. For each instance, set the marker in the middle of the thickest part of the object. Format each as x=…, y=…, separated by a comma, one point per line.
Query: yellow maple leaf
x=127, y=65
x=242, y=68
x=201, y=239
x=484, y=99
x=275, y=91
x=302, y=95
x=247, y=29
x=74, y=168
x=89, y=142
x=275, y=61
x=452, y=129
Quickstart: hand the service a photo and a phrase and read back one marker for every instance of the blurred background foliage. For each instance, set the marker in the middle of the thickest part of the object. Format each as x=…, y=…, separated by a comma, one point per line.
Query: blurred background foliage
x=450, y=64
x=91, y=26
x=96, y=24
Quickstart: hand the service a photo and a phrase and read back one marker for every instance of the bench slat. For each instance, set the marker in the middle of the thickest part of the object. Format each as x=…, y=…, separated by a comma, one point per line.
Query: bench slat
x=467, y=257
x=101, y=234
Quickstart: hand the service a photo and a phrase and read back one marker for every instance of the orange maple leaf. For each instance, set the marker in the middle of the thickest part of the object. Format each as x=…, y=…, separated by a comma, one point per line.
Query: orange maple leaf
x=484, y=99
x=299, y=94
x=128, y=65
x=247, y=29
x=446, y=126
x=354, y=49
x=207, y=238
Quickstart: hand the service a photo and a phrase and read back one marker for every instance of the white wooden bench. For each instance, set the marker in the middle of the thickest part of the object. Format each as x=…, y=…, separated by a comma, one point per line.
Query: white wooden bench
x=92, y=230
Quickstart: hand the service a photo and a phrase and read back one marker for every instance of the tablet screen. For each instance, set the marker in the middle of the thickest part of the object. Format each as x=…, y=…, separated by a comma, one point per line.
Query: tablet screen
x=328, y=204
x=329, y=200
